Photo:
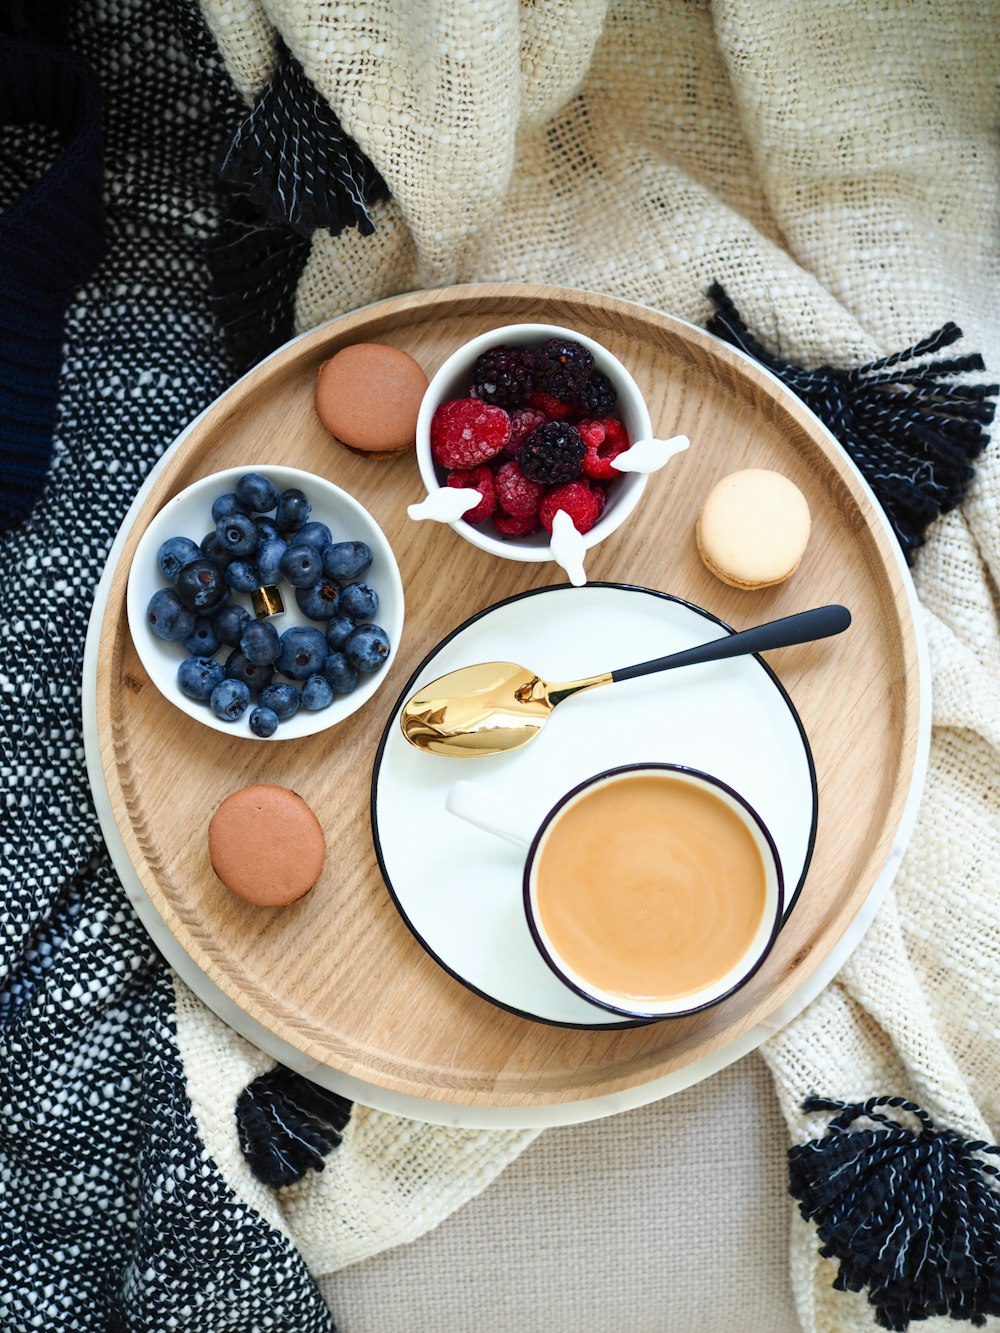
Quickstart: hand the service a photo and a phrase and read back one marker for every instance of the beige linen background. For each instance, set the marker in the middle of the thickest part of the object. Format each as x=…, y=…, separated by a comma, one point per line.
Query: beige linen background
x=836, y=166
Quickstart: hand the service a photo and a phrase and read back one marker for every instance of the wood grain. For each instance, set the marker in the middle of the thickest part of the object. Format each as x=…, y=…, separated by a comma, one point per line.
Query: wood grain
x=338, y=975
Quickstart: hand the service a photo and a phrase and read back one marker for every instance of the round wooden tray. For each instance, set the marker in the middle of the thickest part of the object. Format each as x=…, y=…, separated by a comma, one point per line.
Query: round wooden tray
x=338, y=976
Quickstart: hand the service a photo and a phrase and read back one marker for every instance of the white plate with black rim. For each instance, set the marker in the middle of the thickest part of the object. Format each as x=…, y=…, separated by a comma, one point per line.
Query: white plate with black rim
x=459, y=889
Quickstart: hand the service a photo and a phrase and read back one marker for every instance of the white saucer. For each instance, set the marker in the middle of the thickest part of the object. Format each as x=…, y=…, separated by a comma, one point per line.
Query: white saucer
x=459, y=889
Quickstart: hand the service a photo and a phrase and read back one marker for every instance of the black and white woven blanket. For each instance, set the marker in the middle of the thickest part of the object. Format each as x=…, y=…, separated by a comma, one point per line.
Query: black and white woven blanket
x=112, y=1216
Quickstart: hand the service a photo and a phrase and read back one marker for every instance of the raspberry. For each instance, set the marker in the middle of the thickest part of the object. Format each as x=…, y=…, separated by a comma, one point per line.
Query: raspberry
x=592, y=433
x=509, y=526
x=518, y=495
x=598, y=396
x=583, y=502
x=466, y=432
x=504, y=376
x=522, y=422
x=478, y=479
x=552, y=453
x=562, y=368
x=553, y=408
x=601, y=451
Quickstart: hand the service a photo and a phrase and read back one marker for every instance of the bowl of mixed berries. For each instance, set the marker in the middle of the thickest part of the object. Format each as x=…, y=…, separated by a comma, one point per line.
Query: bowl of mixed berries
x=533, y=417
x=278, y=622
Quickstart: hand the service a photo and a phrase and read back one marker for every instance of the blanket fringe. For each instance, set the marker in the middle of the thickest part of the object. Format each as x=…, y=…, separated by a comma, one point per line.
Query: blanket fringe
x=911, y=431
x=287, y=1125
x=294, y=160
x=909, y=1211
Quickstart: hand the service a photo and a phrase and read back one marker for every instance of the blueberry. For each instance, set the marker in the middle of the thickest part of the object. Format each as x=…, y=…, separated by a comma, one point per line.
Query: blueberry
x=282, y=698
x=260, y=644
x=359, y=601
x=241, y=576
x=315, y=534
x=302, y=565
x=340, y=675
x=169, y=619
x=254, y=677
x=303, y=652
x=230, y=699
x=175, y=552
x=212, y=550
x=268, y=529
x=201, y=585
x=367, y=648
x=197, y=677
x=320, y=601
x=338, y=630
x=237, y=534
x=227, y=504
x=263, y=722
x=203, y=640
x=269, y=554
x=346, y=560
x=293, y=510
x=316, y=694
x=230, y=624
x=256, y=493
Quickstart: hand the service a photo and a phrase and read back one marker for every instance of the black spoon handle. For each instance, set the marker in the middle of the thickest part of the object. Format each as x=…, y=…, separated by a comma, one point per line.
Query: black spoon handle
x=820, y=623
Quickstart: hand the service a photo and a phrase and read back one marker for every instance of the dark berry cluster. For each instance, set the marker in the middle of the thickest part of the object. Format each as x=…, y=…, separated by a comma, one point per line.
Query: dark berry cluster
x=535, y=435
x=246, y=551
x=553, y=453
x=503, y=376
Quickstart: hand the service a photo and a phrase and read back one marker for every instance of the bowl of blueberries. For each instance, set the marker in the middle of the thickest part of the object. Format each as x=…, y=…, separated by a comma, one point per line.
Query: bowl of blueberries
x=265, y=602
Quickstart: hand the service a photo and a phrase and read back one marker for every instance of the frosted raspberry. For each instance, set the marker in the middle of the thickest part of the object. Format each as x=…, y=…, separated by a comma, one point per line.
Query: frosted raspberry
x=478, y=479
x=517, y=494
x=522, y=422
x=582, y=501
x=554, y=408
x=592, y=433
x=466, y=432
x=605, y=440
x=509, y=526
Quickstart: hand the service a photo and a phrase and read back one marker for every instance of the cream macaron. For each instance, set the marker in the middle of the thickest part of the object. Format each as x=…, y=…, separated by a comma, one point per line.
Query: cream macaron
x=753, y=529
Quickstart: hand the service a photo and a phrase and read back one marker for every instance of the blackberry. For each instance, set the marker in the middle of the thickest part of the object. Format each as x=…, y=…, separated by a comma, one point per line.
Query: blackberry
x=562, y=368
x=503, y=376
x=598, y=396
x=552, y=453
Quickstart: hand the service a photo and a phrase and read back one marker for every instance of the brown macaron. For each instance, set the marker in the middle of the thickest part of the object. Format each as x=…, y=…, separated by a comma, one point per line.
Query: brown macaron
x=266, y=845
x=368, y=396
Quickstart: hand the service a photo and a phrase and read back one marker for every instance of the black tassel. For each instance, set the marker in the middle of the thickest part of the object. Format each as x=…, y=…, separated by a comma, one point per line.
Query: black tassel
x=913, y=1214
x=295, y=162
x=912, y=433
x=287, y=1125
x=254, y=274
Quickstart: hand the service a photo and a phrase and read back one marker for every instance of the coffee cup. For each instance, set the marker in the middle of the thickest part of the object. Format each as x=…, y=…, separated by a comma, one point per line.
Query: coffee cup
x=652, y=890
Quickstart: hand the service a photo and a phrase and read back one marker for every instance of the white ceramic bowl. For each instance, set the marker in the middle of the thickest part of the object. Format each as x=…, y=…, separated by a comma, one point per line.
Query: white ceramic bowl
x=188, y=514
x=453, y=380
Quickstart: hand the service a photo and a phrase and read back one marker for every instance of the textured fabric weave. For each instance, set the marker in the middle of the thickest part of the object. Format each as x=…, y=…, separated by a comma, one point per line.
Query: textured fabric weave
x=836, y=168
x=113, y=1216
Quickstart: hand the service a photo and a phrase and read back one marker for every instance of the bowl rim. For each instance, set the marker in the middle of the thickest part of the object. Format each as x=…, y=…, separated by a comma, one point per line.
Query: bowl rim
x=632, y=484
x=145, y=643
x=753, y=959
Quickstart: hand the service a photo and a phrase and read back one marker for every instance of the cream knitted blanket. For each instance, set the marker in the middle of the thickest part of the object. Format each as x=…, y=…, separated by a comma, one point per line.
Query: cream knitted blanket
x=836, y=167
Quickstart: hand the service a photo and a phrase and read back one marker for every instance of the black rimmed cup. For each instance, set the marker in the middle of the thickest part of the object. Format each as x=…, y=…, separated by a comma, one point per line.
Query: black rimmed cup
x=471, y=803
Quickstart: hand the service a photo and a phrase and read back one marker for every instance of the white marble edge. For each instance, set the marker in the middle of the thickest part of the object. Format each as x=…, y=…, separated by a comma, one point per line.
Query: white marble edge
x=449, y=1113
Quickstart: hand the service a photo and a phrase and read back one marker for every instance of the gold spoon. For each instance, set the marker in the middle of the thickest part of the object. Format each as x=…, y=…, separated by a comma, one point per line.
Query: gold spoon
x=497, y=706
